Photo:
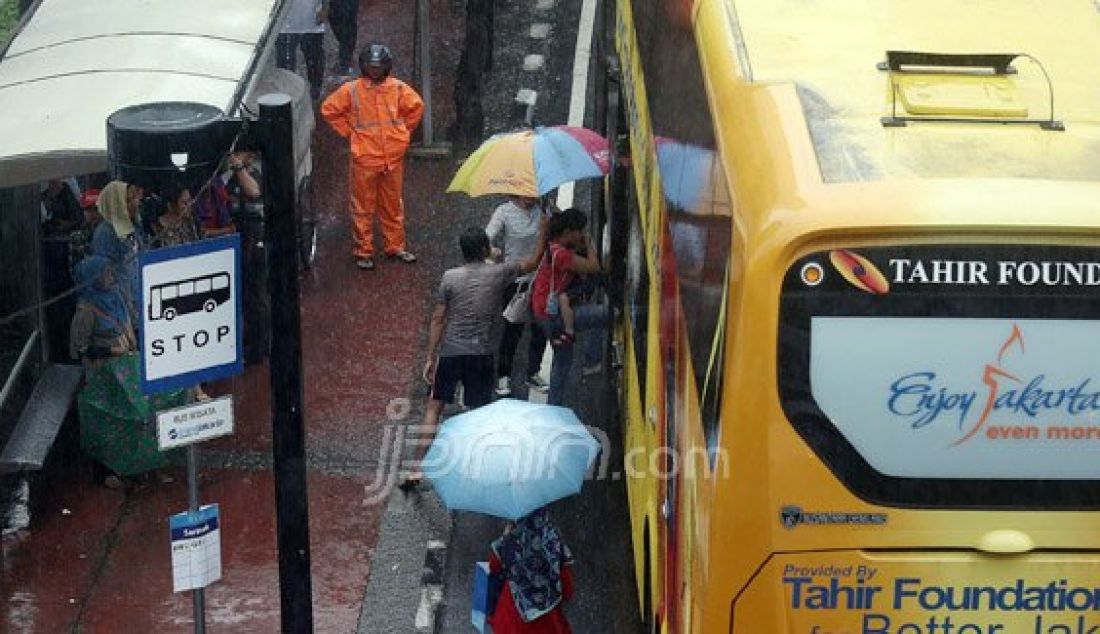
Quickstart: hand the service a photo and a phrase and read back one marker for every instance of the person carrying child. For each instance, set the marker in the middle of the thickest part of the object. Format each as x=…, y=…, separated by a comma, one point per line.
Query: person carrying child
x=553, y=306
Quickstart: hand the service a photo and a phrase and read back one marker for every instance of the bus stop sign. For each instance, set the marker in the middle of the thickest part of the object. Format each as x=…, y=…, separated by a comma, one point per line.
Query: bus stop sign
x=190, y=314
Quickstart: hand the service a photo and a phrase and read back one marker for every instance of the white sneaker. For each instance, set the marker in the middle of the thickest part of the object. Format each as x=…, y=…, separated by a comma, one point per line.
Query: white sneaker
x=535, y=382
x=504, y=386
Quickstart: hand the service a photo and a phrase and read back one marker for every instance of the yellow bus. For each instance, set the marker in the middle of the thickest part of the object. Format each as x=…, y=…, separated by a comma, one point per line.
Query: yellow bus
x=855, y=252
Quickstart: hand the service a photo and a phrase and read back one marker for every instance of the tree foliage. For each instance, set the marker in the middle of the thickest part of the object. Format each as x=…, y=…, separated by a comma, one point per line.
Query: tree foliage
x=9, y=15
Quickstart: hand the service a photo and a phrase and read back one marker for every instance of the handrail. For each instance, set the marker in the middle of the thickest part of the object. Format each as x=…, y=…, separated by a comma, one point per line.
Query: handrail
x=9, y=385
x=997, y=64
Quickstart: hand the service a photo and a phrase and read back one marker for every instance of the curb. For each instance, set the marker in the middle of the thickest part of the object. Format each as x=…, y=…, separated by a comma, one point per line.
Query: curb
x=404, y=593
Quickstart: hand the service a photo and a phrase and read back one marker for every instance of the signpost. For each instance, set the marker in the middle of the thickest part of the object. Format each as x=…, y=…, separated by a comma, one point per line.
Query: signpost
x=190, y=333
x=190, y=314
x=196, y=537
x=195, y=423
x=191, y=307
x=429, y=147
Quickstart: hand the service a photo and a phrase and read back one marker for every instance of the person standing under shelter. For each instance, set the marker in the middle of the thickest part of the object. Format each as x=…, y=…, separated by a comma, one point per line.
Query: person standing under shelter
x=305, y=29
x=464, y=332
x=176, y=224
x=514, y=227
x=376, y=113
x=60, y=206
x=116, y=238
x=112, y=410
x=80, y=240
x=242, y=188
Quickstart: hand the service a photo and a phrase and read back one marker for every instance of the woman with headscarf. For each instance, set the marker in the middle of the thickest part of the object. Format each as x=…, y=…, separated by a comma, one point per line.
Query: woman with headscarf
x=101, y=327
x=117, y=240
x=112, y=410
x=537, y=569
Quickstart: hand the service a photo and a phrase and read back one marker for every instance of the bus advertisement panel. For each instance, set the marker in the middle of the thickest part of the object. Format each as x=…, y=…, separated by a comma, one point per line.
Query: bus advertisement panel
x=926, y=593
x=948, y=377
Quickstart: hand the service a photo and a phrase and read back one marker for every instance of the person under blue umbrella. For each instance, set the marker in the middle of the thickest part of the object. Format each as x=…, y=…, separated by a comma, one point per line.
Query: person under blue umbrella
x=538, y=579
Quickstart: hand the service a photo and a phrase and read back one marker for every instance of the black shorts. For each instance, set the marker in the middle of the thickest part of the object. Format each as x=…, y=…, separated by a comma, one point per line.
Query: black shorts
x=474, y=371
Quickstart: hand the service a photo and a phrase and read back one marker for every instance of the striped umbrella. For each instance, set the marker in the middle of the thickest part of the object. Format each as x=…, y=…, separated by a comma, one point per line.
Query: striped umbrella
x=532, y=162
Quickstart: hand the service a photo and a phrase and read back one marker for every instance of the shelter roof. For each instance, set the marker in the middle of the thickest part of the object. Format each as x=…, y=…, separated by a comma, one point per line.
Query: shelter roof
x=75, y=62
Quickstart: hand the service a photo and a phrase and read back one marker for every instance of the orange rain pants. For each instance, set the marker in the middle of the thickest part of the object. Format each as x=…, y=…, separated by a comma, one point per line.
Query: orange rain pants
x=370, y=190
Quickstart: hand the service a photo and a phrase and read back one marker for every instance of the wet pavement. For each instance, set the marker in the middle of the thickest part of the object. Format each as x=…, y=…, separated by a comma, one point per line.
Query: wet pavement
x=97, y=560
x=417, y=588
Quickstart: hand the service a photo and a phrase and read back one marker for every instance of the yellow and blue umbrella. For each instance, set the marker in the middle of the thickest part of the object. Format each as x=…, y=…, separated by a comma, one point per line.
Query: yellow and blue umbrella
x=532, y=162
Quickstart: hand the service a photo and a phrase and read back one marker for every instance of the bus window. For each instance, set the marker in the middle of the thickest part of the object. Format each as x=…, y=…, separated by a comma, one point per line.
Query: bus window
x=168, y=292
x=186, y=288
x=221, y=281
x=696, y=198
x=948, y=376
x=701, y=241
x=202, y=286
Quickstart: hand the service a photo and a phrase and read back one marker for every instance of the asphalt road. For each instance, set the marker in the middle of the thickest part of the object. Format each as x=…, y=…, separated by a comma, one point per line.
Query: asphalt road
x=423, y=563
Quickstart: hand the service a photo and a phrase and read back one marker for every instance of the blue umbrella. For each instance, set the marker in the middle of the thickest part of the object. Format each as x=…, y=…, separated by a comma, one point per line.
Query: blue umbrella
x=509, y=458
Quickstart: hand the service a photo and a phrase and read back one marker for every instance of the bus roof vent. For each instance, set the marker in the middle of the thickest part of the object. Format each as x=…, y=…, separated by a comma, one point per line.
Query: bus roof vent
x=959, y=88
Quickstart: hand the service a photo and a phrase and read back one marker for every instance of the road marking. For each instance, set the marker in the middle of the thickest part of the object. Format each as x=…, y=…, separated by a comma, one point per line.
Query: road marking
x=533, y=62
x=430, y=597
x=431, y=589
x=545, y=5
x=540, y=30
x=581, y=58
x=526, y=96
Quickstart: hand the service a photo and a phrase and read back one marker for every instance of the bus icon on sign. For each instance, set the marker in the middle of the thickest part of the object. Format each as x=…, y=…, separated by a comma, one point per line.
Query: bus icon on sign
x=172, y=299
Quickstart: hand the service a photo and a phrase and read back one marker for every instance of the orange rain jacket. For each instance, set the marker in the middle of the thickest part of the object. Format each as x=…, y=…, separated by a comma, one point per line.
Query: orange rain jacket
x=376, y=120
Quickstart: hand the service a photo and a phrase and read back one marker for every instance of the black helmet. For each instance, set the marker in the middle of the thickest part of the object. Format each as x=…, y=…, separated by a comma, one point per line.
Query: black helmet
x=376, y=55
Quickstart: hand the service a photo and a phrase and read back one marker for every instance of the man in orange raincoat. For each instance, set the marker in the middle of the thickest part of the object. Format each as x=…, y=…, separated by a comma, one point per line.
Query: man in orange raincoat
x=376, y=113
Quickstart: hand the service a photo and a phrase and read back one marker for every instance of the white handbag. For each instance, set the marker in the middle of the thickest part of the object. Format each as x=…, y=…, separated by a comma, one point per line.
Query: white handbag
x=518, y=310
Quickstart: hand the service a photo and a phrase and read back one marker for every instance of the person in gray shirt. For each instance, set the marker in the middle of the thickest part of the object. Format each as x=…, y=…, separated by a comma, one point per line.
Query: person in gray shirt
x=464, y=331
x=513, y=230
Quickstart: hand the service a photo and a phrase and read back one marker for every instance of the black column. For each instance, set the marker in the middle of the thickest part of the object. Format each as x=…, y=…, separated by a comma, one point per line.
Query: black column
x=288, y=429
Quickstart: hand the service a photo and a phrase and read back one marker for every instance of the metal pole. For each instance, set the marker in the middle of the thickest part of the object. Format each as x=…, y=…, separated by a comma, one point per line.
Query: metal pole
x=198, y=595
x=424, y=30
x=288, y=430
x=428, y=147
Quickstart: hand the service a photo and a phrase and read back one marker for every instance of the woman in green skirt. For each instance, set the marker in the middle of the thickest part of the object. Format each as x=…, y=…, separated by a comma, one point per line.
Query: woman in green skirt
x=116, y=419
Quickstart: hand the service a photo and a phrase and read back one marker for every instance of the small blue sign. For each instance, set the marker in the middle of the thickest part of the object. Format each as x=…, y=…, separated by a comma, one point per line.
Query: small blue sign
x=190, y=314
x=188, y=525
x=196, y=548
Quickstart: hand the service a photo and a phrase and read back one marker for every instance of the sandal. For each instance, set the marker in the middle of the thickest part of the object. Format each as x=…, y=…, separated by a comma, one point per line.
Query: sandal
x=404, y=256
x=366, y=264
x=410, y=484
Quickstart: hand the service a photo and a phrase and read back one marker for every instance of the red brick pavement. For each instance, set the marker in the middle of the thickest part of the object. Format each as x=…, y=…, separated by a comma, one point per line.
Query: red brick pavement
x=98, y=560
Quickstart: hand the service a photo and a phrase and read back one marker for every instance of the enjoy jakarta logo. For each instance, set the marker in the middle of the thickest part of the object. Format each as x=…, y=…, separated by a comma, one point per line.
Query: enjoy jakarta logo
x=1006, y=399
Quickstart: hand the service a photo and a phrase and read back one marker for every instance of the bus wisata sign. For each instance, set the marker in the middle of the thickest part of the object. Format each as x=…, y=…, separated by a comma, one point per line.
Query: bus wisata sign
x=190, y=301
